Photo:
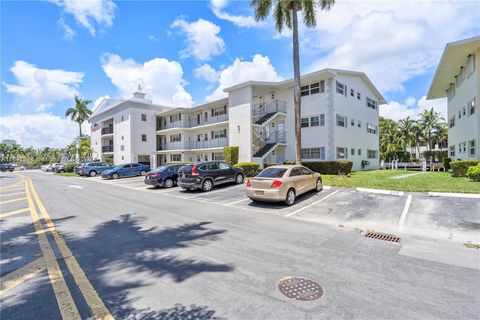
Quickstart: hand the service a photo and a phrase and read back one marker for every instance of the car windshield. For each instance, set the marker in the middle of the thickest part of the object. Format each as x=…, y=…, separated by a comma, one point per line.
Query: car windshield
x=272, y=173
x=160, y=169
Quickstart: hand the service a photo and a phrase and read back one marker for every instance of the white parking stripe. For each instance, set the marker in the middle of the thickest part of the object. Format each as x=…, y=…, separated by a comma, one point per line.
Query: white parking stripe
x=235, y=202
x=401, y=221
x=311, y=204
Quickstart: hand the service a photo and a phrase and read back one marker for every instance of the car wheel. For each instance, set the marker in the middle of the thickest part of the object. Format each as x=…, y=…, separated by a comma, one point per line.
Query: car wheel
x=92, y=173
x=290, y=197
x=239, y=178
x=115, y=176
x=168, y=183
x=319, y=185
x=143, y=172
x=207, y=185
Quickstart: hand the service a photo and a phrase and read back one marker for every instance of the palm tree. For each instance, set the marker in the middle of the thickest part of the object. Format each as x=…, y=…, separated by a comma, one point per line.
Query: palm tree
x=441, y=135
x=430, y=122
x=285, y=15
x=80, y=112
x=406, y=132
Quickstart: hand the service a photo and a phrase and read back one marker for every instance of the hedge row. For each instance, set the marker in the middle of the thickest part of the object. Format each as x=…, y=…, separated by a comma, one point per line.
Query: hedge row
x=474, y=173
x=249, y=168
x=230, y=154
x=460, y=168
x=69, y=166
x=330, y=167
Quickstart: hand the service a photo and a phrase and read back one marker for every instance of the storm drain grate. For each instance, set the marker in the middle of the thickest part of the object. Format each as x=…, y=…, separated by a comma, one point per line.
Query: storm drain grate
x=381, y=236
x=300, y=288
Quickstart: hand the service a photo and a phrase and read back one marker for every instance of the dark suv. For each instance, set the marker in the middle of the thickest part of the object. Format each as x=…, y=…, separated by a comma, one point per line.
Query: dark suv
x=206, y=175
x=7, y=167
x=163, y=176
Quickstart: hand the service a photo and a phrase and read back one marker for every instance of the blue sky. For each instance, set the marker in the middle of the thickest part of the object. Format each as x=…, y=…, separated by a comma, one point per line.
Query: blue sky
x=185, y=53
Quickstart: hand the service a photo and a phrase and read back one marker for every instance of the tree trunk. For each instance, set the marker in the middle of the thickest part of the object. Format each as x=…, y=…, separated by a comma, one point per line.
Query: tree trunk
x=80, y=128
x=297, y=84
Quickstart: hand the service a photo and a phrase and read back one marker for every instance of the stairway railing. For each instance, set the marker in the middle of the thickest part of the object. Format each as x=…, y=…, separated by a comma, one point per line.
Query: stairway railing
x=263, y=108
x=274, y=138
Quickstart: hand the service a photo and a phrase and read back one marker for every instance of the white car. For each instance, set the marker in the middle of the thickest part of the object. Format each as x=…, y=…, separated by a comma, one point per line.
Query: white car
x=19, y=168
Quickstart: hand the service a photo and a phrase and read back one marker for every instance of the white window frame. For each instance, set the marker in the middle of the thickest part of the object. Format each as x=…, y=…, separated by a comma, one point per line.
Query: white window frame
x=342, y=150
x=372, y=104
x=339, y=117
x=369, y=154
x=305, y=122
x=472, y=148
x=371, y=128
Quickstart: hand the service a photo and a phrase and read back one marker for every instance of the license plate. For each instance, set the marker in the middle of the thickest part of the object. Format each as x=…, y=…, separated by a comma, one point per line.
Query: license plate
x=260, y=193
x=183, y=175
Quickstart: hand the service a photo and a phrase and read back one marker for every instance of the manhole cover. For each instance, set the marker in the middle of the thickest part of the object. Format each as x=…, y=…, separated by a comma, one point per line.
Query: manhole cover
x=300, y=288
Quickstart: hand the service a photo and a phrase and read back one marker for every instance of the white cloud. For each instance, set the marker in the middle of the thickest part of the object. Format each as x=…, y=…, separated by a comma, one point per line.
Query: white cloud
x=68, y=32
x=202, y=38
x=42, y=87
x=152, y=38
x=259, y=69
x=161, y=79
x=207, y=73
x=218, y=9
x=411, y=108
x=89, y=14
x=40, y=130
x=391, y=41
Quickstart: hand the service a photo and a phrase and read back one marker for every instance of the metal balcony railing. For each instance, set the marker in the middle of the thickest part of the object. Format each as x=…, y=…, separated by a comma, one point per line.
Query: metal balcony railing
x=192, y=123
x=107, y=130
x=272, y=106
x=190, y=145
x=107, y=149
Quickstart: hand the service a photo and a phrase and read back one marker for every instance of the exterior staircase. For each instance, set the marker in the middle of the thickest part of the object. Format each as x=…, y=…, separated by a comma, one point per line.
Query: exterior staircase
x=264, y=150
x=265, y=118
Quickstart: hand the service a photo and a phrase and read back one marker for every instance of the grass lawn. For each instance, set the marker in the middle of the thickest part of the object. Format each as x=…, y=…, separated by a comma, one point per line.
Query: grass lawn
x=382, y=179
x=67, y=174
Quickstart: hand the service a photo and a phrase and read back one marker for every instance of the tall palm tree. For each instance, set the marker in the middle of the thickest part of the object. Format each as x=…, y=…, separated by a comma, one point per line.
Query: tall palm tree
x=430, y=121
x=389, y=137
x=285, y=15
x=80, y=112
x=441, y=136
x=406, y=132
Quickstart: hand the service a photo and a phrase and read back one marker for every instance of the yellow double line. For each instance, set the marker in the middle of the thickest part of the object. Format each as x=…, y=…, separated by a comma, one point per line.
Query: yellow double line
x=64, y=298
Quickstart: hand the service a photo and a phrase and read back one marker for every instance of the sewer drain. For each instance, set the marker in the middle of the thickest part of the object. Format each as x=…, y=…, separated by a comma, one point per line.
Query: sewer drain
x=300, y=288
x=381, y=236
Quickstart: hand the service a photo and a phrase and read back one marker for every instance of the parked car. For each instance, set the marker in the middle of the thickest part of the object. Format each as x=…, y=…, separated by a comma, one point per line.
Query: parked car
x=7, y=167
x=19, y=168
x=91, y=169
x=283, y=183
x=60, y=168
x=44, y=167
x=206, y=175
x=77, y=168
x=163, y=176
x=52, y=167
x=126, y=170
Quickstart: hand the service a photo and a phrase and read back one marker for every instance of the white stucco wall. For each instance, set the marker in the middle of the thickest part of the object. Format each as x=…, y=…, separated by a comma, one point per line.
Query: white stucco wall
x=240, y=124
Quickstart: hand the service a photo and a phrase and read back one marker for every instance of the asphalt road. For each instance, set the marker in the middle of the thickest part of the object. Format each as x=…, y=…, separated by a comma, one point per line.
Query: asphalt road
x=153, y=255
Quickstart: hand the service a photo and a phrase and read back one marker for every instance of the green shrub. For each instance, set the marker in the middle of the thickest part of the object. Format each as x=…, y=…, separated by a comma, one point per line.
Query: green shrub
x=436, y=155
x=474, y=173
x=460, y=167
x=230, y=154
x=402, y=156
x=69, y=166
x=446, y=163
x=289, y=162
x=330, y=167
x=249, y=168
x=109, y=161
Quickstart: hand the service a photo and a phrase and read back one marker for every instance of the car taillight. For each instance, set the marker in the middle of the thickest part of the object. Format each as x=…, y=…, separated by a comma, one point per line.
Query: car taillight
x=194, y=171
x=276, y=183
x=155, y=175
x=249, y=184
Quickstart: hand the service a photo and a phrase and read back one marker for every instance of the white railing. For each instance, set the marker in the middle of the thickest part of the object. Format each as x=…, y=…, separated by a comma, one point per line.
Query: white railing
x=190, y=145
x=196, y=122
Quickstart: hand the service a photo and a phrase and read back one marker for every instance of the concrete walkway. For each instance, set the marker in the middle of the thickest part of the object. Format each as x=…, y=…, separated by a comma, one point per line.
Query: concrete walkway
x=408, y=175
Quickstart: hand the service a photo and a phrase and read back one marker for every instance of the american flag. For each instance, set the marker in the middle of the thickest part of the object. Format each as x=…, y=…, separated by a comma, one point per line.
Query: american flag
x=95, y=127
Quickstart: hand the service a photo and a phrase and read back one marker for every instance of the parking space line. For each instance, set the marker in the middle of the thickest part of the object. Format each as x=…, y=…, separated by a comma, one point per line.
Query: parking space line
x=21, y=275
x=381, y=191
x=311, y=204
x=11, y=213
x=13, y=188
x=13, y=200
x=11, y=194
x=65, y=301
x=455, y=195
x=93, y=300
x=235, y=202
x=403, y=217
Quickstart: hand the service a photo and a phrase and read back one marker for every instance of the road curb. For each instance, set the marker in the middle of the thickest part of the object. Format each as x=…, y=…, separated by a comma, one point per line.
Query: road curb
x=381, y=191
x=455, y=195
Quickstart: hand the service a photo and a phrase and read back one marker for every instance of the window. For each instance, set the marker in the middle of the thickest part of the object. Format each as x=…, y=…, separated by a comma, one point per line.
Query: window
x=341, y=88
x=322, y=153
x=176, y=137
x=459, y=148
x=359, y=124
x=464, y=111
x=144, y=137
x=272, y=173
x=451, y=122
x=212, y=166
x=305, y=171
x=471, y=107
x=176, y=157
x=219, y=111
x=305, y=91
x=341, y=121
x=314, y=121
x=304, y=123
x=471, y=147
x=352, y=122
x=313, y=88
x=219, y=134
x=322, y=120
x=352, y=92
x=352, y=151
x=465, y=147
x=371, y=154
x=371, y=128
x=470, y=65
x=359, y=151
x=341, y=153
x=144, y=117
x=218, y=156
x=459, y=114
x=122, y=148
x=311, y=153
x=175, y=117
x=295, y=172
x=372, y=104
x=452, y=151
x=359, y=96
x=223, y=166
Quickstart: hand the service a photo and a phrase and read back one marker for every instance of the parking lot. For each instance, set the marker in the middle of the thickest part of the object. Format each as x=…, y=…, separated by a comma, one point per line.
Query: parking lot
x=443, y=217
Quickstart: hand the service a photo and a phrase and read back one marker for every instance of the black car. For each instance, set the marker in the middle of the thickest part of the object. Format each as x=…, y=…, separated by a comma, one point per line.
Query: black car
x=163, y=176
x=206, y=175
x=7, y=167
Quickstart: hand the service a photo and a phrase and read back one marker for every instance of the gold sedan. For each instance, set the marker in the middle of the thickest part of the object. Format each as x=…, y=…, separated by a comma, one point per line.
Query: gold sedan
x=283, y=183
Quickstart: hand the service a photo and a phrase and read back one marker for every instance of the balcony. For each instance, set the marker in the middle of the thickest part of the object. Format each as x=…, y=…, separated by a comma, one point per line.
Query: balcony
x=192, y=123
x=106, y=149
x=107, y=130
x=192, y=145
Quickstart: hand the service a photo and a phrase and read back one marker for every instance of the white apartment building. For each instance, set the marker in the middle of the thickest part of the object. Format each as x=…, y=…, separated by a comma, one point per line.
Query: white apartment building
x=339, y=121
x=457, y=78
